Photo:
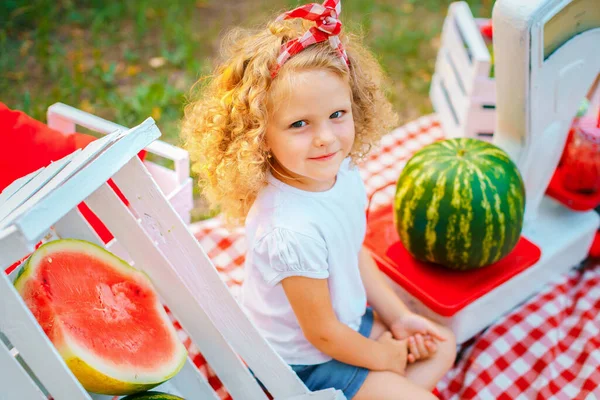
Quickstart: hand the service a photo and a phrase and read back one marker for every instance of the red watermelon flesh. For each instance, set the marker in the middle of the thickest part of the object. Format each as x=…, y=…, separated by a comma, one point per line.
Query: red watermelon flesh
x=102, y=315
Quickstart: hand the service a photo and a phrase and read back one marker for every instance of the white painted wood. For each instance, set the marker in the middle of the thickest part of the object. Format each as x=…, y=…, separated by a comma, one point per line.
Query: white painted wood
x=13, y=247
x=176, y=289
x=16, y=185
x=176, y=184
x=14, y=380
x=444, y=109
x=327, y=394
x=453, y=83
x=59, y=112
x=52, y=176
x=32, y=218
x=72, y=165
x=31, y=187
x=161, y=176
x=484, y=91
x=23, y=331
x=462, y=84
x=192, y=263
x=537, y=97
x=115, y=247
x=192, y=385
x=177, y=191
x=73, y=225
x=481, y=121
x=180, y=200
x=452, y=40
x=470, y=31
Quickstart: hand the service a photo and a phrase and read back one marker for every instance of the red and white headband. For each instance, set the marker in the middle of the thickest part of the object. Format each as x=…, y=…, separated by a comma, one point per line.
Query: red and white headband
x=328, y=28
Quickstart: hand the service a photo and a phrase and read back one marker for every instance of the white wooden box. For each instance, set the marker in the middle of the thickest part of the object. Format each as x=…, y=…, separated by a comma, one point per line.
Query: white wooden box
x=153, y=237
x=176, y=184
x=462, y=92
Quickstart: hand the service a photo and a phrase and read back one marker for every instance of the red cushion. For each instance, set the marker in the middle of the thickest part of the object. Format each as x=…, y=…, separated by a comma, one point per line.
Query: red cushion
x=27, y=145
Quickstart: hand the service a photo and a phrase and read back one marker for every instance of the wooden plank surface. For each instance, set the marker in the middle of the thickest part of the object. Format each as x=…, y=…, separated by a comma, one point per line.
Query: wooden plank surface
x=193, y=265
x=15, y=383
x=173, y=287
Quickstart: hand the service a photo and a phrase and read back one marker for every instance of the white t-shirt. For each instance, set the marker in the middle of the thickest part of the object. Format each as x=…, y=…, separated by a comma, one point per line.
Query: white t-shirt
x=314, y=234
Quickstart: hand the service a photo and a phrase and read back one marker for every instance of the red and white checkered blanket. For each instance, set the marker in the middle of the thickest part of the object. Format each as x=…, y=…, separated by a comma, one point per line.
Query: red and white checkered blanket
x=547, y=348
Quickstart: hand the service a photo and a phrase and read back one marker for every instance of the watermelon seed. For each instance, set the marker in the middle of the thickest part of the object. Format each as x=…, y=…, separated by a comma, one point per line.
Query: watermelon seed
x=49, y=260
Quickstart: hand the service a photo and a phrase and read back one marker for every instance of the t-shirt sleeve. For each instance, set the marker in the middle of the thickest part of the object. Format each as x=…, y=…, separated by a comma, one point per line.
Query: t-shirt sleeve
x=282, y=253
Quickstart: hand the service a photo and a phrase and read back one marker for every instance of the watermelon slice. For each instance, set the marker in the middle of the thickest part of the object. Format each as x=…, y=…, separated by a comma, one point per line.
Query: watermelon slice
x=102, y=315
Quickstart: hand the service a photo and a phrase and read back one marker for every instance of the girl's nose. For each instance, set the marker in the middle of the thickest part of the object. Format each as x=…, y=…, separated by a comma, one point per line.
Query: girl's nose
x=325, y=136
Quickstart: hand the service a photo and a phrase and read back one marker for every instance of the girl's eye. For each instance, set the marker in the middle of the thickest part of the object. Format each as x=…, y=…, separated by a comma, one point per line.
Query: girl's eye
x=337, y=114
x=297, y=124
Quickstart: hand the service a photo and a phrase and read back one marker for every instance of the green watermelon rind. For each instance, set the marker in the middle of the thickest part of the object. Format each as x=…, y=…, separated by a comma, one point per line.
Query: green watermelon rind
x=153, y=395
x=121, y=266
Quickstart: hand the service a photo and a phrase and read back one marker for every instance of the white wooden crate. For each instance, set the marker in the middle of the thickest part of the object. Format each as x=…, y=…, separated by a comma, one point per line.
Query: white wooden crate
x=176, y=184
x=462, y=92
x=43, y=206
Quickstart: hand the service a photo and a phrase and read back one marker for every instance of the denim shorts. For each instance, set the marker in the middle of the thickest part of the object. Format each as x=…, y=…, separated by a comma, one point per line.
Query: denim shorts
x=336, y=374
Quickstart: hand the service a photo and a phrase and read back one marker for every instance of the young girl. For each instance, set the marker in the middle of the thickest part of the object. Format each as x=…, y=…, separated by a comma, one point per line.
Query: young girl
x=275, y=139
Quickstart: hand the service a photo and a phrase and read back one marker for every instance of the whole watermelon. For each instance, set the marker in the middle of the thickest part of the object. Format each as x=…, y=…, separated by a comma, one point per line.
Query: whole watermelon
x=459, y=203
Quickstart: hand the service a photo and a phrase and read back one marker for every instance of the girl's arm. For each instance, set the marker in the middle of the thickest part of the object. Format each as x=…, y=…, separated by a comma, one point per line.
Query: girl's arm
x=395, y=315
x=311, y=303
x=380, y=295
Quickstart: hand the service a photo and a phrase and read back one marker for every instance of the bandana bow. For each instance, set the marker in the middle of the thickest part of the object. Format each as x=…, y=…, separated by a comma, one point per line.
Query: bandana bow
x=328, y=28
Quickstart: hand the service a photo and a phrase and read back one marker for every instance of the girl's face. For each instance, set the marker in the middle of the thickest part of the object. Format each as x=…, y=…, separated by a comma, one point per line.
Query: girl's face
x=311, y=131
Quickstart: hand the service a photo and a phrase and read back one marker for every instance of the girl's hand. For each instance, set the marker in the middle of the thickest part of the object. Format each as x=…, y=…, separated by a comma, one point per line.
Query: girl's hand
x=420, y=347
x=394, y=353
x=420, y=333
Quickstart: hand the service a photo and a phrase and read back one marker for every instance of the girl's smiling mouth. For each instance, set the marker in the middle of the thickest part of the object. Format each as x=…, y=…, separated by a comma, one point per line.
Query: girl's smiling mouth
x=325, y=157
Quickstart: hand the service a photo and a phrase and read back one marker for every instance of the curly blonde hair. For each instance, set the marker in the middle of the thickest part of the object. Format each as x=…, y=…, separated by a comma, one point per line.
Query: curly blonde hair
x=224, y=127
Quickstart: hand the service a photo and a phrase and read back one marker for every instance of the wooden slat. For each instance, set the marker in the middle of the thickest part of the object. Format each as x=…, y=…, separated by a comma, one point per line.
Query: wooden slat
x=452, y=79
x=16, y=185
x=73, y=225
x=77, y=161
x=23, y=331
x=180, y=292
x=192, y=384
x=481, y=120
x=200, y=275
x=36, y=220
x=13, y=247
x=452, y=127
x=15, y=383
x=60, y=112
x=484, y=91
x=327, y=394
x=33, y=186
x=471, y=33
x=453, y=43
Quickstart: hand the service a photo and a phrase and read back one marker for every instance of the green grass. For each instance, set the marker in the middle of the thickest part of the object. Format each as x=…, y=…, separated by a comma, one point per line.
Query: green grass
x=125, y=61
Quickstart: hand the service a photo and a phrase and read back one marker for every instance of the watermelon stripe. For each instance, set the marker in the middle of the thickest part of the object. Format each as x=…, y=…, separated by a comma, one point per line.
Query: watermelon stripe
x=465, y=216
x=433, y=215
x=455, y=202
x=488, y=239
